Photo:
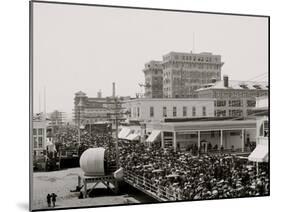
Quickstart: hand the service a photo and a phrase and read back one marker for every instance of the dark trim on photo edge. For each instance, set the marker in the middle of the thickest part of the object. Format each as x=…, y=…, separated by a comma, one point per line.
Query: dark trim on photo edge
x=148, y=203
x=268, y=24
x=123, y=7
x=30, y=103
x=146, y=8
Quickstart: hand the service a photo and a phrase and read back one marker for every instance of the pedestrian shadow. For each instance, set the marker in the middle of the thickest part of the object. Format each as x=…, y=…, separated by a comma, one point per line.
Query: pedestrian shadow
x=23, y=205
x=100, y=192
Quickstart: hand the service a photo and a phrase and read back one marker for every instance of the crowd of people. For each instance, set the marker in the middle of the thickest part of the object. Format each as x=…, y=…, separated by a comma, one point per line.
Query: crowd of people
x=182, y=176
x=178, y=175
x=67, y=140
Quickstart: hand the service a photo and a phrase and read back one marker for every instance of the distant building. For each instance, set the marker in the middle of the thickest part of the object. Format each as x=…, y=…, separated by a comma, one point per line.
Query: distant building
x=39, y=135
x=233, y=98
x=153, y=73
x=89, y=110
x=156, y=110
x=56, y=118
x=183, y=73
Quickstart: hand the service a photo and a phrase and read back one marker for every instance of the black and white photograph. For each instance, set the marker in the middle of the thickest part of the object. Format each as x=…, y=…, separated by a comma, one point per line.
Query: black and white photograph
x=133, y=105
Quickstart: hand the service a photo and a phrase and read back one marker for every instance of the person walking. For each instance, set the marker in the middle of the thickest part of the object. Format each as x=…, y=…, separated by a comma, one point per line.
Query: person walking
x=49, y=200
x=54, y=199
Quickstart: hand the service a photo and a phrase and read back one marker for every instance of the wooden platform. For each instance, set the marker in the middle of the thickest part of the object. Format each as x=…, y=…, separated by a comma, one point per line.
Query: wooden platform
x=106, y=180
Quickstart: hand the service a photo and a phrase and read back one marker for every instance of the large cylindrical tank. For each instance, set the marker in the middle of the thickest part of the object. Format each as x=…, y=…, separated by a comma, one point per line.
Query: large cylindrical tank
x=92, y=161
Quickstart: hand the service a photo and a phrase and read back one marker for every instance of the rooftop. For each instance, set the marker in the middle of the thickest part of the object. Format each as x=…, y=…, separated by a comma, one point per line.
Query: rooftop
x=169, y=99
x=205, y=125
x=191, y=53
x=235, y=84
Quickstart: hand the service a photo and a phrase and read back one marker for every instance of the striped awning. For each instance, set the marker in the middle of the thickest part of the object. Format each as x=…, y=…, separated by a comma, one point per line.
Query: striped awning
x=133, y=137
x=124, y=133
x=260, y=154
x=153, y=136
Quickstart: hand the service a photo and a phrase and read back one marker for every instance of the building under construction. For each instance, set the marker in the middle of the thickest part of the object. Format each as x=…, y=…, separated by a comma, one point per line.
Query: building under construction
x=89, y=110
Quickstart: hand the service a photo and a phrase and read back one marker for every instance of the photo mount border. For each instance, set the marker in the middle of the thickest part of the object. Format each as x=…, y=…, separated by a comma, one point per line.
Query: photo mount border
x=31, y=18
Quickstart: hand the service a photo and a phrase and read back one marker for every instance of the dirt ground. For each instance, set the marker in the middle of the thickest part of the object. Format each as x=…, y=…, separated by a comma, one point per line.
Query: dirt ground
x=61, y=182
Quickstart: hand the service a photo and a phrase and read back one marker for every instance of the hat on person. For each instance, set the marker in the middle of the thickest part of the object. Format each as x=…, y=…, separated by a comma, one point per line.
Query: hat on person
x=215, y=192
x=220, y=182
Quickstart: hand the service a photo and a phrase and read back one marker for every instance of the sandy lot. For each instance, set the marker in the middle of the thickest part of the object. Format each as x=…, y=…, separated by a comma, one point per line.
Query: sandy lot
x=61, y=182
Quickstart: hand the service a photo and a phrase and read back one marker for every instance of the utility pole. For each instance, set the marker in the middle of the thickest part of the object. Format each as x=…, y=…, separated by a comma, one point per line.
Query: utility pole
x=116, y=135
x=116, y=119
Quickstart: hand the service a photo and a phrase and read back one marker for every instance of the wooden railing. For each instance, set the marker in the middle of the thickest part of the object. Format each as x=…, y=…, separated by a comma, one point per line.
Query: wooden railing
x=147, y=186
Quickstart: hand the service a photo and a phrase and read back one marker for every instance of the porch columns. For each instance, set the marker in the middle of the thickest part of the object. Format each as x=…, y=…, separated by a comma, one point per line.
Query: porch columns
x=198, y=141
x=221, y=138
x=162, y=139
x=242, y=140
x=175, y=141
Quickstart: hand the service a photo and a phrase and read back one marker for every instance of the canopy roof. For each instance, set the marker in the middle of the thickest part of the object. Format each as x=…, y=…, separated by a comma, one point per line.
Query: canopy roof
x=133, y=137
x=205, y=125
x=125, y=131
x=153, y=136
x=260, y=154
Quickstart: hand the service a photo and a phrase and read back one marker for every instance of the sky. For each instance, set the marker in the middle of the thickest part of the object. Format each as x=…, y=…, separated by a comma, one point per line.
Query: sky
x=87, y=48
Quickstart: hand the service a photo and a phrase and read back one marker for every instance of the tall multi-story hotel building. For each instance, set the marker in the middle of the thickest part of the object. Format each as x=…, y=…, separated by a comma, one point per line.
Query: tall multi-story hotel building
x=153, y=73
x=183, y=73
x=233, y=98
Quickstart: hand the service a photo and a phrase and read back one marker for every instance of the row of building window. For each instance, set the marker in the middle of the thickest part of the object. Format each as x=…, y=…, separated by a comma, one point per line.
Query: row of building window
x=192, y=65
x=239, y=94
x=175, y=114
x=192, y=58
x=37, y=142
x=38, y=131
x=234, y=103
x=231, y=113
x=192, y=73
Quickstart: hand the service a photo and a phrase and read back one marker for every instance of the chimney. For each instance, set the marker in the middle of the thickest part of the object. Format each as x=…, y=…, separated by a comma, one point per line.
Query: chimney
x=225, y=81
x=99, y=94
x=214, y=80
x=113, y=89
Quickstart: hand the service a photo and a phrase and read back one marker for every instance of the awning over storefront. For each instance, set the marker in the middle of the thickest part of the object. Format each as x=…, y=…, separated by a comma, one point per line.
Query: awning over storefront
x=133, y=137
x=260, y=154
x=124, y=133
x=153, y=136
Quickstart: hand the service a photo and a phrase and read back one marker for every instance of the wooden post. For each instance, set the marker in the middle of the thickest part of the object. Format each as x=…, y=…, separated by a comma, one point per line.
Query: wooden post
x=85, y=189
x=242, y=140
x=198, y=142
x=175, y=141
x=79, y=181
x=116, y=189
x=221, y=139
x=162, y=140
